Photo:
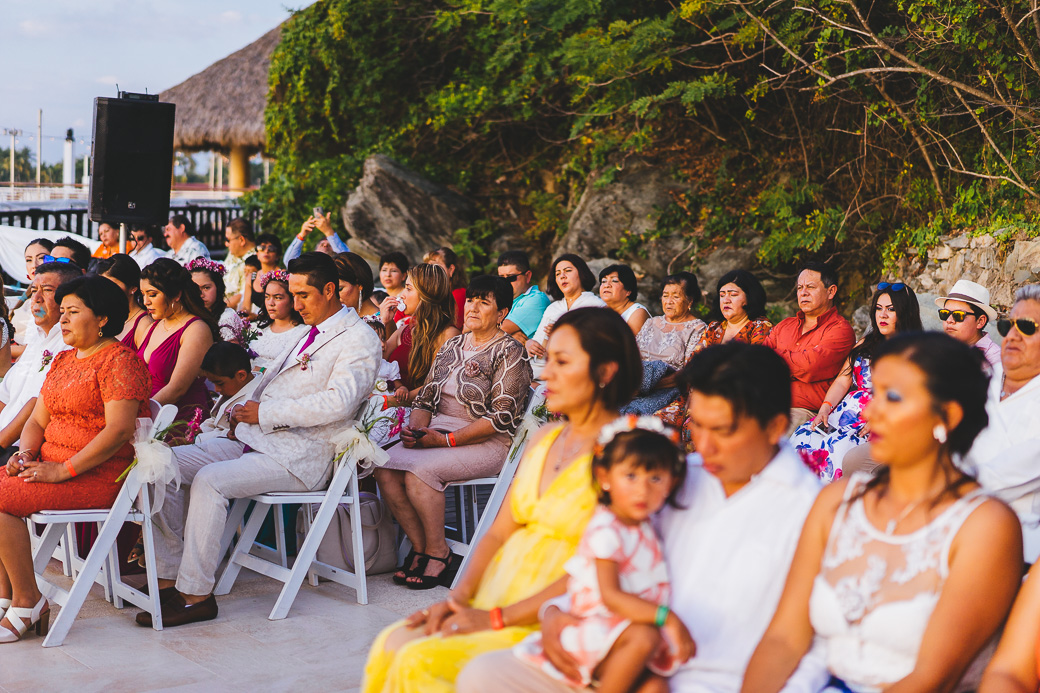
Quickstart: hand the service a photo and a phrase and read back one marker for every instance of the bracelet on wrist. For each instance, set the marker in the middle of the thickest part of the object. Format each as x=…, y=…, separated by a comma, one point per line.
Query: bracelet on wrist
x=662, y=615
x=301, y=236
x=828, y=404
x=497, y=622
x=450, y=437
x=70, y=468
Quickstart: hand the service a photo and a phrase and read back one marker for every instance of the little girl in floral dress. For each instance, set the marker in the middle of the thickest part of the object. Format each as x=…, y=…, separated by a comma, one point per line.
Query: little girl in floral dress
x=637, y=468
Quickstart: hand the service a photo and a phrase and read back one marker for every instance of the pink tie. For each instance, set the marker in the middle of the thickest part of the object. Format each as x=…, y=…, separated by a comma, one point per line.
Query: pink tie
x=310, y=338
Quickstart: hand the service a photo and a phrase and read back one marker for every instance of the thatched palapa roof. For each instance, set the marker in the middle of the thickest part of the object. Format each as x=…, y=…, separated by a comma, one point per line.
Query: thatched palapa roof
x=223, y=106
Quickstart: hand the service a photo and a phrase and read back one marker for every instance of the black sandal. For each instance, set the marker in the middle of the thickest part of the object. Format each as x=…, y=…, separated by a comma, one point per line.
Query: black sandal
x=451, y=564
x=406, y=571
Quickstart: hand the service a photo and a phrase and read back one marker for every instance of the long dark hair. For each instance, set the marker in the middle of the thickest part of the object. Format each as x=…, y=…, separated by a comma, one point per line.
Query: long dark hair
x=219, y=305
x=953, y=373
x=175, y=282
x=908, y=319
x=124, y=268
x=264, y=318
x=606, y=338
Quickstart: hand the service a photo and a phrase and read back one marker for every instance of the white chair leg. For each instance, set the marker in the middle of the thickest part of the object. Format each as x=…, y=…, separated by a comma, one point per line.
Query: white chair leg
x=306, y=553
x=148, y=537
x=358, y=540
x=245, y=543
x=279, y=535
x=308, y=515
x=89, y=570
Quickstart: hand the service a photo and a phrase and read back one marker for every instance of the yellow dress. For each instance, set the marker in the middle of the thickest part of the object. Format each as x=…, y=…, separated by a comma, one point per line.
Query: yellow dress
x=528, y=562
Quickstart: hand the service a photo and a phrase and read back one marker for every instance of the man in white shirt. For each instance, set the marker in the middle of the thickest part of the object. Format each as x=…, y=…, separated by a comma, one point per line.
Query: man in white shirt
x=297, y=406
x=241, y=243
x=728, y=550
x=180, y=235
x=143, y=252
x=1006, y=455
x=21, y=386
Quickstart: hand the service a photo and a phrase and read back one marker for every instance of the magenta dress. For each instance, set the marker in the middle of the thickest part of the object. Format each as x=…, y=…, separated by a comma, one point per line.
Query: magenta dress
x=161, y=366
x=128, y=338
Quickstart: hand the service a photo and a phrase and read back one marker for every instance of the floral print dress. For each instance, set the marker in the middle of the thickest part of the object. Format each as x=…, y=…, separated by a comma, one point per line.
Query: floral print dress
x=823, y=450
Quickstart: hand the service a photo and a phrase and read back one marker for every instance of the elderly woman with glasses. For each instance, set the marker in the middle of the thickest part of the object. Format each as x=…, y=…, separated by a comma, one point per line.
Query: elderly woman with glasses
x=1006, y=456
x=836, y=430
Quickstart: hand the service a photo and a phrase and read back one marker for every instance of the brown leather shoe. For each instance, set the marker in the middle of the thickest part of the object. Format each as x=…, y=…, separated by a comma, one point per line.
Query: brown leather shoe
x=177, y=612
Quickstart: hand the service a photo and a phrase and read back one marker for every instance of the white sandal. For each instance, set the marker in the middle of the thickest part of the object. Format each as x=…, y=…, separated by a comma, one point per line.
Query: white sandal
x=5, y=604
x=38, y=616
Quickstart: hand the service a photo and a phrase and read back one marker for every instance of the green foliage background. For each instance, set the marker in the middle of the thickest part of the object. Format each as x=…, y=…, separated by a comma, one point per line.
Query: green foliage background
x=839, y=129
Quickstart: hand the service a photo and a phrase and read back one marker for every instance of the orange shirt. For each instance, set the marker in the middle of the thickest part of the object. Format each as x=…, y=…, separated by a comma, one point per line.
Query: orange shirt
x=815, y=358
x=103, y=251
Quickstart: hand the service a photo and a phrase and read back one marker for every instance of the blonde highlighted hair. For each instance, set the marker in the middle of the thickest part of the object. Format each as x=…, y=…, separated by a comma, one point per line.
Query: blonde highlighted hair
x=434, y=314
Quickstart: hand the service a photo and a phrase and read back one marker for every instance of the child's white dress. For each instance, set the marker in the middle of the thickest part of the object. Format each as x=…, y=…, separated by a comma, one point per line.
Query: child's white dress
x=389, y=420
x=641, y=571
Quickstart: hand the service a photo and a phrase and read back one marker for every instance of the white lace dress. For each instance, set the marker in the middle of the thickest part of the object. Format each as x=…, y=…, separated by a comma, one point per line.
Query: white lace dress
x=270, y=344
x=671, y=342
x=876, y=592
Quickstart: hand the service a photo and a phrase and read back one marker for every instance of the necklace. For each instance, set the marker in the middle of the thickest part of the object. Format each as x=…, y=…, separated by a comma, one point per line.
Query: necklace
x=474, y=345
x=87, y=353
x=566, y=452
x=893, y=523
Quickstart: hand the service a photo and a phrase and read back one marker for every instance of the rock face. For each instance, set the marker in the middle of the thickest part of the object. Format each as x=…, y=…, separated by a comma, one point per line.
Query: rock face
x=631, y=204
x=394, y=208
x=1002, y=267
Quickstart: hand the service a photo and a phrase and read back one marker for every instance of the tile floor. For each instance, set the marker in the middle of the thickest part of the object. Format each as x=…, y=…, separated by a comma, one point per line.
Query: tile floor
x=320, y=646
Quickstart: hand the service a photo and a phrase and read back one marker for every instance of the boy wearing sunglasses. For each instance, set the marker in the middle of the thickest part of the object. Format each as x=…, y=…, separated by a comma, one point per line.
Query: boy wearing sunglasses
x=965, y=313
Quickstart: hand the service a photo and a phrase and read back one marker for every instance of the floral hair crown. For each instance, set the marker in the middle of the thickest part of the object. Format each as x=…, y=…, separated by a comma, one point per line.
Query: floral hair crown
x=204, y=263
x=632, y=422
x=277, y=275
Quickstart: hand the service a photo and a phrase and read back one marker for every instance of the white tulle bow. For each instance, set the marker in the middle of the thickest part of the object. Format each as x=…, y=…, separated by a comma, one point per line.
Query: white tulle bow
x=354, y=447
x=155, y=463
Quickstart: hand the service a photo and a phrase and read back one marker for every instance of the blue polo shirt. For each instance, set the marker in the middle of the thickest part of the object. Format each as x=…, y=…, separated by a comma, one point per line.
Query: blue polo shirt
x=527, y=310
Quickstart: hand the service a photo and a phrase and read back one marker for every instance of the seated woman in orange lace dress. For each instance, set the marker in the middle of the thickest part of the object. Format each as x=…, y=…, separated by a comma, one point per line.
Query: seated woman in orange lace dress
x=76, y=444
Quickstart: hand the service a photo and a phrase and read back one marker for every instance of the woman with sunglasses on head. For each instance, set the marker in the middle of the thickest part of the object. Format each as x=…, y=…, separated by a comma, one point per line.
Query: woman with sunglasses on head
x=1005, y=455
x=836, y=430
x=965, y=314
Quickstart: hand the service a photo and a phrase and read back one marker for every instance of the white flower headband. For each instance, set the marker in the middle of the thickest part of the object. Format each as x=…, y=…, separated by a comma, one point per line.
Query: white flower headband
x=631, y=422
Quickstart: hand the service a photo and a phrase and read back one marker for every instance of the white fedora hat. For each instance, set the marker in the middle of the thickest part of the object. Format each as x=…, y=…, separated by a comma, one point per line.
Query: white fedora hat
x=970, y=292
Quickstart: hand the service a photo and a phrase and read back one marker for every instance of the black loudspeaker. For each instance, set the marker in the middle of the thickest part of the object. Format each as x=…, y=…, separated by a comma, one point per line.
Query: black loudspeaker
x=132, y=160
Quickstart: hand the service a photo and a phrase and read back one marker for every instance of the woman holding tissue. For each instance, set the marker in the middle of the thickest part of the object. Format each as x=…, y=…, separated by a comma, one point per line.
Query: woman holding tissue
x=427, y=299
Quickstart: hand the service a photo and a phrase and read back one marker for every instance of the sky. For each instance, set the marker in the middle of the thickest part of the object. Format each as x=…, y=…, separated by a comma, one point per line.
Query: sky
x=59, y=54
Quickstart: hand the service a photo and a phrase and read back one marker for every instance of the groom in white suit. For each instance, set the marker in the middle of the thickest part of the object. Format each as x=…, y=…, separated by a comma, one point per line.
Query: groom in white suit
x=282, y=442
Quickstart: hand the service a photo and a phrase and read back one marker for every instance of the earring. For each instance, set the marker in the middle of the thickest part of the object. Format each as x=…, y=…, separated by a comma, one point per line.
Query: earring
x=606, y=487
x=100, y=332
x=939, y=433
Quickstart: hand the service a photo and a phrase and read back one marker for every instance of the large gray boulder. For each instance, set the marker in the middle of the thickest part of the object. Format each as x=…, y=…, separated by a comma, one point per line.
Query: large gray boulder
x=394, y=208
x=631, y=204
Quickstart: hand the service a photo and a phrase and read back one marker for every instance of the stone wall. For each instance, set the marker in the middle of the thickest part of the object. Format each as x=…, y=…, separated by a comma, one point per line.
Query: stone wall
x=1002, y=267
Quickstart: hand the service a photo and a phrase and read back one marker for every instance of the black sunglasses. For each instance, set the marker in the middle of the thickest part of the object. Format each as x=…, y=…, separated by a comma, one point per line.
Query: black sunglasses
x=897, y=286
x=511, y=278
x=957, y=315
x=1025, y=327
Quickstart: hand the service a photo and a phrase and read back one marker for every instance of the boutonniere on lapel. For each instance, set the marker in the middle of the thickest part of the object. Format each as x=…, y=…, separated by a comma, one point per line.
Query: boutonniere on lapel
x=47, y=358
x=304, y=359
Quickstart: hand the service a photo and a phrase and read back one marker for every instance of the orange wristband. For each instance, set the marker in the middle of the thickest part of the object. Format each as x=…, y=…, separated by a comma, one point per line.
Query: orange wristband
x=451, y=440
x=497, y=622
x=301, y=236
x=69, y=467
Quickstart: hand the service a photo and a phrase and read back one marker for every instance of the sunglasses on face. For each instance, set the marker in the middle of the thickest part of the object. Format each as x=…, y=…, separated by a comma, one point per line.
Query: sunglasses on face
x=51, y=258
x=1025, y=327
x=138, y=238
x=897, y=286
x=957, y=315
x=267, y=248
x=511, y=278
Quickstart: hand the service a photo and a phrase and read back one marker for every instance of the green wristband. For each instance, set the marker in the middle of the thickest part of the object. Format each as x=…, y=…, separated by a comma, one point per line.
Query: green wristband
x=662, y=615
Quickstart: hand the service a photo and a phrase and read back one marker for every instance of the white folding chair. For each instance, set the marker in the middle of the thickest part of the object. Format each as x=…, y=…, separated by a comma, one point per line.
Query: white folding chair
x=101, y=564
x=342, y=489
x=500, y=486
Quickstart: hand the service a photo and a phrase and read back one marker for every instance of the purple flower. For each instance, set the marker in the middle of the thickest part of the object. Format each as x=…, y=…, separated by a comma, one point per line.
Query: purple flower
x=47, y=358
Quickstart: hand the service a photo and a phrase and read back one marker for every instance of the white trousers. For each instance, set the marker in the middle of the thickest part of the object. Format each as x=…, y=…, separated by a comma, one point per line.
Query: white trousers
x=192, y=520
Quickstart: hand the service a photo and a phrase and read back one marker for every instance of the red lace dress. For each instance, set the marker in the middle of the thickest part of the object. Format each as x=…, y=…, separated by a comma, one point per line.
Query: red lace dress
x=75, y=393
